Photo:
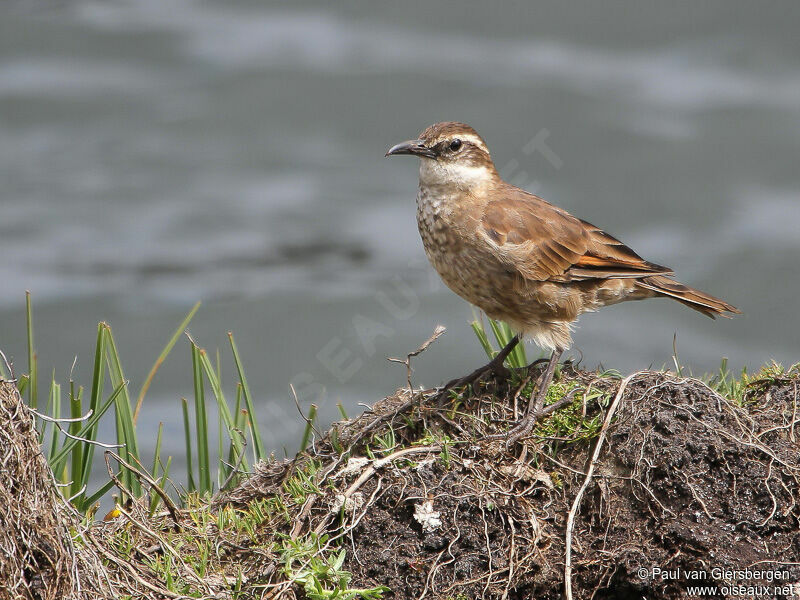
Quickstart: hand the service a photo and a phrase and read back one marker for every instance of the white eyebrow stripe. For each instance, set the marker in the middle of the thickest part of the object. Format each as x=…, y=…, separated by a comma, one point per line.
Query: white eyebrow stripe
x=473, y=139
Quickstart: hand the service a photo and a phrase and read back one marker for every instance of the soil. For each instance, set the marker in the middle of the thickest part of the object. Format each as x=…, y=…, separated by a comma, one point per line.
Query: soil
x=688, y=485
x=689, y=488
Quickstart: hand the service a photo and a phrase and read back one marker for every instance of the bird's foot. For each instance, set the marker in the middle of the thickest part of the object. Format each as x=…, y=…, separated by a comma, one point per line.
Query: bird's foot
x=528, y=422
x=536, y=407
x=495, y=366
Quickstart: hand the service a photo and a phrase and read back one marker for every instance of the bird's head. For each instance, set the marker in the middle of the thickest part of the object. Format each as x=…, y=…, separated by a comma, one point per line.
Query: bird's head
x=450, y=154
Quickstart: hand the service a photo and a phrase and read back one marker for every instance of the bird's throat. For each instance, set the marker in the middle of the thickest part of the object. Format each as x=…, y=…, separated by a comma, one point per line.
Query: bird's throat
x=454, y=175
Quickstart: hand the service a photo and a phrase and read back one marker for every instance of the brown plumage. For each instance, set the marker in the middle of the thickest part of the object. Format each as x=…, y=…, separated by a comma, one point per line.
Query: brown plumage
x=517, y=257
x=520, y=259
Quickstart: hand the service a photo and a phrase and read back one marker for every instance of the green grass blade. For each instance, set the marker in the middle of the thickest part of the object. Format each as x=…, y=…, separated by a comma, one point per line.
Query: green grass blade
x=33, y=375
x=226, y=419
x=190, y=482
x=154, y=500
x=201, y=424
x=75, y=412
x=86, y=503
x=55, y=402
x=156, y=464
x=42, y=426
x=312, y=414
x=499, y=332
x=240, y=423
x=239, y=415
x=503, y=334
x=259, y=452
x=126, y=430
x=221, y=467
x=517, y=358
x=157, y=454
x=222, y=404
x=85, y=432
x=480, y=332
x=23, y=383
x=98, y=380
x=161, y=358
x=165, y=474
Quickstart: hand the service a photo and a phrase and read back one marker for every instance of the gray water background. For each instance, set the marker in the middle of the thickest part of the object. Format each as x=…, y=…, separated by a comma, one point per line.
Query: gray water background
x=159, y=152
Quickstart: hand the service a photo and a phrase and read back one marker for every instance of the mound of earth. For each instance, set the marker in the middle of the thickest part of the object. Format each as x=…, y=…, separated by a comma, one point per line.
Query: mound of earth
x=689, y=489
x=645, y=487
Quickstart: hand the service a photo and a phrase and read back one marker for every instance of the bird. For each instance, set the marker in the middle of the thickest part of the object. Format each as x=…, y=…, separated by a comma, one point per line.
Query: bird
x=520, y=259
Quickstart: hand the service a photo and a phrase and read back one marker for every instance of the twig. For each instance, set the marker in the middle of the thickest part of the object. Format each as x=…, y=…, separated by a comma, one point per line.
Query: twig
x=173, y=510
x=308, y=420
x=100, y=547
x=63, y=419
x=235, y=468
x=431, y=575
x=510, y=558
x=576, y=503
x=304, y=512
x=57, y=423
x=440, y=329
x=9, y=368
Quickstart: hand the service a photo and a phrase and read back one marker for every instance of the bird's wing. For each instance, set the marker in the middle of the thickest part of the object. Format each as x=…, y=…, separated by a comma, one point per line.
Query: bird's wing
x=543, y=242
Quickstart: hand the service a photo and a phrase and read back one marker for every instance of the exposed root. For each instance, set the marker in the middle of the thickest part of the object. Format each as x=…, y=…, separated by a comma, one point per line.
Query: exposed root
x=590, y=471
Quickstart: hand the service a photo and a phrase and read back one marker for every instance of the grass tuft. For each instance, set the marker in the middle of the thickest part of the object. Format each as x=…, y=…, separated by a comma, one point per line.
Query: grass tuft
x=502, y=334
x=321, y=574
x=70, y=443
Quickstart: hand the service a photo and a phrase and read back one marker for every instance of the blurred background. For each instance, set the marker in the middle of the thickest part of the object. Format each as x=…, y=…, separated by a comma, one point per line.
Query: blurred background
x=154, y=153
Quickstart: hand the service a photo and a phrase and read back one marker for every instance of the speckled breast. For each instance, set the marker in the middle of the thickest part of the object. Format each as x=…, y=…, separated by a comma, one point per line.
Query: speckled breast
x=460, y=264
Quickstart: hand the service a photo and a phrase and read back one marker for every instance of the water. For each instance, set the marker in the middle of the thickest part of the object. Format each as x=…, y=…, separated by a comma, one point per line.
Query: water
x=159, y=152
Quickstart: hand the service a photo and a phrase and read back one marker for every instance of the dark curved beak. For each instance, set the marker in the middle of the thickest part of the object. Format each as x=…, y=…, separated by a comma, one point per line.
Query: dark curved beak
x=416, y=147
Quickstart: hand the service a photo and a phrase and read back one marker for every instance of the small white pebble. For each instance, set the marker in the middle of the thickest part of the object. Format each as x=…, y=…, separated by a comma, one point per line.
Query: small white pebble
x=426, y=516
x=350, y=504
x=338, y=502
x=424, y=463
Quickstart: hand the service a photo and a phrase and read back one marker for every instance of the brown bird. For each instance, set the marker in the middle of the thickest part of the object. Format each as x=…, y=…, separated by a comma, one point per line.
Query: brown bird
x=521, y=259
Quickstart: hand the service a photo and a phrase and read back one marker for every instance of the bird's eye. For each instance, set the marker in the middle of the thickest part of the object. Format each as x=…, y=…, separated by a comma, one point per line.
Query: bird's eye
x=455, y=144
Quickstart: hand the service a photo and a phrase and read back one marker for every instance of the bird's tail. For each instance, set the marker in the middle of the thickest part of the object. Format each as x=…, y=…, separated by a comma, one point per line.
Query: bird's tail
x=700, y=301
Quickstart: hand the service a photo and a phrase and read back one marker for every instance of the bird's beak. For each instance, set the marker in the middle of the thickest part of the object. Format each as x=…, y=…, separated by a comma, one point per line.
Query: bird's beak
x=412, y=147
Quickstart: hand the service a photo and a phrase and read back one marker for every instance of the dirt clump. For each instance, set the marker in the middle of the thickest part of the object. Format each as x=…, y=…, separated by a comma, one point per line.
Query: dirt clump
x=421, y=497
x=690, y=489
x=38, y=558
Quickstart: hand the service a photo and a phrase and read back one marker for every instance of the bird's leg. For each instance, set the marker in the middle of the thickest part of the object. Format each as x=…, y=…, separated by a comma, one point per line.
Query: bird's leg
x=493, y=366
x=536, y=403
